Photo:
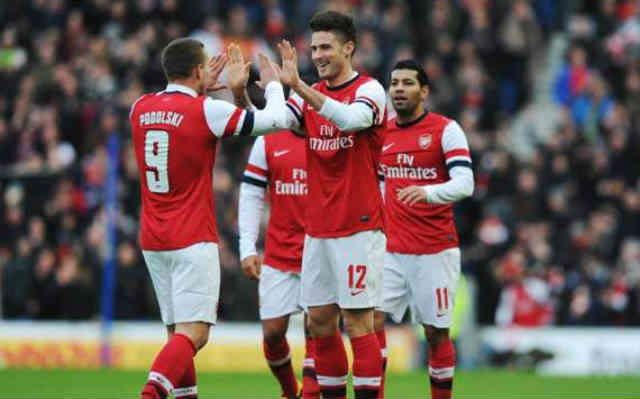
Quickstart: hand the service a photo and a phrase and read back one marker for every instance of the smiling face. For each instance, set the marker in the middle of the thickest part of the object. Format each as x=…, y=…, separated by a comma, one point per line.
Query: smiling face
x=407, y=96
x=330, y=54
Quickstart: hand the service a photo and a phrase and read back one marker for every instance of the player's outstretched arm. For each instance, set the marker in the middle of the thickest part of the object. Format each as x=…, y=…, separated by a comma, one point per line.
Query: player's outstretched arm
x=365, y=111
x=250, y=208
x=225, y=119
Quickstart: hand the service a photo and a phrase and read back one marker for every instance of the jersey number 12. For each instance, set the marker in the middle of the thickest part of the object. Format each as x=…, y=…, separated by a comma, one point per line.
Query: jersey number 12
x=156, y=158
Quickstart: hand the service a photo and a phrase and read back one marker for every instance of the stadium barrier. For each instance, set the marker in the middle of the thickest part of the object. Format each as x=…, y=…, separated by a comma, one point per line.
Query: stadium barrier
x=232, y=347
x=567, y=351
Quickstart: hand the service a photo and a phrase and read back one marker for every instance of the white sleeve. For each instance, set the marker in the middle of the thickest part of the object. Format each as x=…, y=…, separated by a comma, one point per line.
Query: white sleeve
x=225, y=119
x=251, y=200
x=458, y=161
x=367, y=108
x=274, y=115
x=295, y=115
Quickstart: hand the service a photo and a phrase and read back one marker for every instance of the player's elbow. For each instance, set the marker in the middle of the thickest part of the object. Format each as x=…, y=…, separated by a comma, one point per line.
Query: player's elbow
x=280, y=119
x=468, y=188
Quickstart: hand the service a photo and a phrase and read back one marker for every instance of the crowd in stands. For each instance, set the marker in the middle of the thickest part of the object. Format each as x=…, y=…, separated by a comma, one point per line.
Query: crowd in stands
x=550, y=237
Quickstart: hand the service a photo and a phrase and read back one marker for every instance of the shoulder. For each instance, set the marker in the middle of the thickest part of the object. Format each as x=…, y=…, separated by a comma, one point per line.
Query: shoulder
x=367, y=83
x=435, y=118
x=143, y=98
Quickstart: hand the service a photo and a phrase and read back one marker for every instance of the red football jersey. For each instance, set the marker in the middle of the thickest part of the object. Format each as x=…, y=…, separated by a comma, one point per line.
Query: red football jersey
x=279, y=161
x=416, y=154
x=175, y=133
x=344, y=197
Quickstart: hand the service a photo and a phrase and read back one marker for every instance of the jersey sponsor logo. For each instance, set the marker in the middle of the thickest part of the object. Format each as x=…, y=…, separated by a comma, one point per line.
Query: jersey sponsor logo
x=424, y=141
x=406, y=170
x=296, y=187
x=291, y=188
x=386, y=147
x=327, y=141
x=332, y=144
x=280, y=153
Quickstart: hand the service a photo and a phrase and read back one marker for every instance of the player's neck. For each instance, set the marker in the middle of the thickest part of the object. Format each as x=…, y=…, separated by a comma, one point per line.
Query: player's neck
x=415, y=115
x=343, y=77
x=190, y=83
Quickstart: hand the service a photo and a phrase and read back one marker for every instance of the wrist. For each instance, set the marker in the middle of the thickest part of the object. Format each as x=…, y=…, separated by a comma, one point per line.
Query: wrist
x=297, y=84
x=425, y=189
x=238, y=91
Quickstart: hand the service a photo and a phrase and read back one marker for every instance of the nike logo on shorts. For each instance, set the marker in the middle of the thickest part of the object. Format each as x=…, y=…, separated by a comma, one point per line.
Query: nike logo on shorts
x=357, y=292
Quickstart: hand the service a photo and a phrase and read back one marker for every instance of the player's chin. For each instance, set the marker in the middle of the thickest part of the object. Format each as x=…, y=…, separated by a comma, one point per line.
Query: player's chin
x=400, y=106
x=323, y=73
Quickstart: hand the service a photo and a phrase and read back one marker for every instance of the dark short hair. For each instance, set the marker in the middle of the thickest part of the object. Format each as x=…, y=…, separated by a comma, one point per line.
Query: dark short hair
x=181, y=56
x=333, y=21
x=423, y=79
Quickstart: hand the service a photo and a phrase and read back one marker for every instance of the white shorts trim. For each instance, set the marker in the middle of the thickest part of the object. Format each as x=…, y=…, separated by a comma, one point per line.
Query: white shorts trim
x=345, y=270
x=279, y=293
x=186, y=282
x=426, y=284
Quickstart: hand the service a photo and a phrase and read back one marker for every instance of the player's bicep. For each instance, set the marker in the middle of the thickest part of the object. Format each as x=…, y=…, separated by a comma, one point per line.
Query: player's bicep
x=455, y=146
x=225, y=119
x=372, y=95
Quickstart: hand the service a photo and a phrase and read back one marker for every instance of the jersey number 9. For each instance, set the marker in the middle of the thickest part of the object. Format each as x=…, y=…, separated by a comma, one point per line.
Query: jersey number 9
x=156, y=158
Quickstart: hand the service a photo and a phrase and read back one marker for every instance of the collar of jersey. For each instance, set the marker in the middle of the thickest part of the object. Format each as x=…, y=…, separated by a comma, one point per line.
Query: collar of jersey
x=174, y=87
x=345, y=84
x=413, y=122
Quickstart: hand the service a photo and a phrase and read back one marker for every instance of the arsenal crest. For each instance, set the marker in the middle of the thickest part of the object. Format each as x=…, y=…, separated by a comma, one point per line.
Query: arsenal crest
x=424, y=141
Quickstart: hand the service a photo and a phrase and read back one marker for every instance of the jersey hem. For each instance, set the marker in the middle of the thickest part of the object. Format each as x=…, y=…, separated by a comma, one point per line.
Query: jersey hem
x=146, y=247
x=437, y=249
x=344, y=233
x=283, y=267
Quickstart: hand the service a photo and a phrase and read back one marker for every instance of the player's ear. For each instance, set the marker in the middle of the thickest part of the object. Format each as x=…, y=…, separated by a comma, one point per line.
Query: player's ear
x=348, y=48
x=197, y=72
x=424, y=92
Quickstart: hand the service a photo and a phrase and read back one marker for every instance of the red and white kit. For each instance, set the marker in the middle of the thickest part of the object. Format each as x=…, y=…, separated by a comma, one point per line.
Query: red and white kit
x=175, y=133
x=343, y=250
x=422, y=264
x=277, y=162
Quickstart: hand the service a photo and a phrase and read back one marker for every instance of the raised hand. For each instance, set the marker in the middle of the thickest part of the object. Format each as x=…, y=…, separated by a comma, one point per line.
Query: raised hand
x=216, y=65
x=289, y=74
x=238, y=71
x=269, y=72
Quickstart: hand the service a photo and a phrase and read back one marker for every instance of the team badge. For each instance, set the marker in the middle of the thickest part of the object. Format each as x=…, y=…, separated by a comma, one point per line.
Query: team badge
x=424, y=141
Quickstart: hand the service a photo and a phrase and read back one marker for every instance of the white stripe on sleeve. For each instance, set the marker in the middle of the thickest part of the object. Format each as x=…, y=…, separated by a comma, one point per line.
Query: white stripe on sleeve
x=223, y=118
x=454, y=139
